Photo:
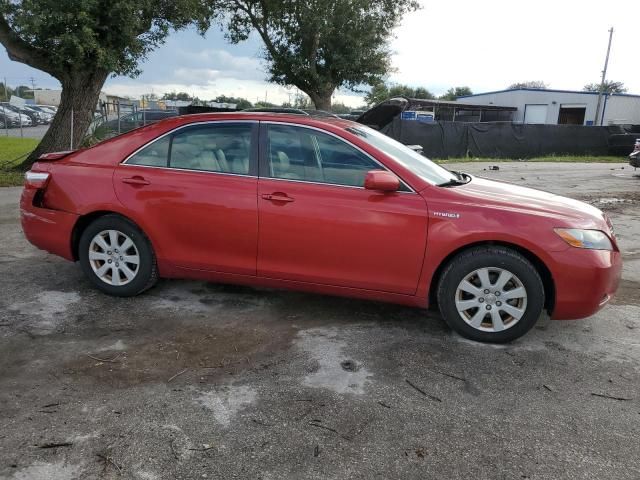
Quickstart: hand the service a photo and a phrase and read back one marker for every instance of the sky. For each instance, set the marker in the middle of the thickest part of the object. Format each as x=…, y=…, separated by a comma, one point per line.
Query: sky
x=484, y=45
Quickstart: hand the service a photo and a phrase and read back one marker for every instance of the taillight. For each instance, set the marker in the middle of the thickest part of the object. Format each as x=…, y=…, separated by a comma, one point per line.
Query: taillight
x=36, y=180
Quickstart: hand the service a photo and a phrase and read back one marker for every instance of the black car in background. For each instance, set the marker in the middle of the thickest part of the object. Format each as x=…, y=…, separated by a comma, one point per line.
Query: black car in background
x=35, y=117
x=137, y=119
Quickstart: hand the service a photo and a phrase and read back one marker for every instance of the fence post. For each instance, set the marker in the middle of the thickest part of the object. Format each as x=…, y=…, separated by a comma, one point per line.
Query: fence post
x=71, y=129
x=118, y=110
x=6, y=122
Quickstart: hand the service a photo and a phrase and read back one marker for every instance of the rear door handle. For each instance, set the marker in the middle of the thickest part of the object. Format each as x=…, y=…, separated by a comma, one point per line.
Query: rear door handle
x=277, y=197
x=135, y=181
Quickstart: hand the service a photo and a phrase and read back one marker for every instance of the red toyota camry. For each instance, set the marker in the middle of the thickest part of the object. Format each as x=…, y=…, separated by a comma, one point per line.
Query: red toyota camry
x=324, y=205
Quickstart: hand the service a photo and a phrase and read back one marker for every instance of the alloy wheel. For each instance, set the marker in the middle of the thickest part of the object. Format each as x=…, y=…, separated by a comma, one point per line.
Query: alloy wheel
x=491, y=299
x=114, y=257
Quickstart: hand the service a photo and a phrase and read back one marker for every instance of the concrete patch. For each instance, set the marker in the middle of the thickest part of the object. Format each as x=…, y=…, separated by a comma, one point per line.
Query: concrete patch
x=336, y=371
x=48, y=471
x=47, y=304
x=119, y=346
x=226, y=402
x=143, y=475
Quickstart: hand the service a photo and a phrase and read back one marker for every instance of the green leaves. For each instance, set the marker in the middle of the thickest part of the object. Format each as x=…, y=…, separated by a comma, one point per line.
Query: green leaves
x=380, y=92
x=76, y=35
x=319, y=45
x=609, y=87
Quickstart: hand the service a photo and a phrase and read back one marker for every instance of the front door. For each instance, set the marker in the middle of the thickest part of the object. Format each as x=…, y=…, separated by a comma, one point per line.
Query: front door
x=194, y=193
x=319, y=225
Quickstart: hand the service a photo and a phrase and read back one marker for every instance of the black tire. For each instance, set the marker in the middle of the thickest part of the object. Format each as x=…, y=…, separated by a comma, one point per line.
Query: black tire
x=491, y=257
x=146, y=273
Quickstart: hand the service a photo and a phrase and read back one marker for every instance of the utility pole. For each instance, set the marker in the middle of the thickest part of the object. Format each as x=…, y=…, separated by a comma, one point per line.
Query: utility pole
x=598, y=121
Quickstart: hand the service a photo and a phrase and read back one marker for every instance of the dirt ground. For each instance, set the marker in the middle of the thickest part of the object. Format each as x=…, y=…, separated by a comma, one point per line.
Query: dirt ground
x=195, y=380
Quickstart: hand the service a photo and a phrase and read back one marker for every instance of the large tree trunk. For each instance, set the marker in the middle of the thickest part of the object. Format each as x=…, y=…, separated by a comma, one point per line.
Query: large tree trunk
x=322, y=100
x=79, y=99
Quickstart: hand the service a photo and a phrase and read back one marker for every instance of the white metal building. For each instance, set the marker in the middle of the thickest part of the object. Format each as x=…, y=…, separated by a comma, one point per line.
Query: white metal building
x=562, y=106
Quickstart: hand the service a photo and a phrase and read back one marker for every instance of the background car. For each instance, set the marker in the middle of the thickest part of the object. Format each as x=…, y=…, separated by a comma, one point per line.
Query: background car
x=33, y=118
x=324, y=205
x=10, y=118
x=137, y=119
x=46, y=115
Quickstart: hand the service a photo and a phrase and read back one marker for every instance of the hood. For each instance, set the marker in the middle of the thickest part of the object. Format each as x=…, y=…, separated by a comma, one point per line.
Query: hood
x=508, y=196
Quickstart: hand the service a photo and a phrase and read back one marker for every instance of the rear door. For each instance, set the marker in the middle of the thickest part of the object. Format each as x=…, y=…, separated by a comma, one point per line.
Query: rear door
x=194, y=192
x=319, y=225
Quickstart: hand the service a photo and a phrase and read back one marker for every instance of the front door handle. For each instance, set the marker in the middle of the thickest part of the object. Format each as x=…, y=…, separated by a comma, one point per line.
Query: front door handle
x=277, y=197
x=135, y=181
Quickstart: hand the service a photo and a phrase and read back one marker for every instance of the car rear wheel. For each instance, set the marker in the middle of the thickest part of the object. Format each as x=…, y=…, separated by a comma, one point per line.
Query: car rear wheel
x=117, y=257
x=491, y=294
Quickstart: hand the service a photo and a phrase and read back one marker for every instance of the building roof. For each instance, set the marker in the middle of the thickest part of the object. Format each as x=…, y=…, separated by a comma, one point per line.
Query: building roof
x=547, y=90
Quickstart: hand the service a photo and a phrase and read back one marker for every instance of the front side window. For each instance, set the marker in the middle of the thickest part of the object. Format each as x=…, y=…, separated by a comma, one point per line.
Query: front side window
x=210, y=148
x=297, y=153
x=421, y=166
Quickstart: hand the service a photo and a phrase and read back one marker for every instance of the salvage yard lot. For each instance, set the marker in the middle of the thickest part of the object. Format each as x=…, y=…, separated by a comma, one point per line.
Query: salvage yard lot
x=198, y=380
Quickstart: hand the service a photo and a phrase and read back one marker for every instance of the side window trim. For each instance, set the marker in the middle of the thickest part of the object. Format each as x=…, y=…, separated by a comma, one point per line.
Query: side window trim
x=264, y=170
x=253, y=155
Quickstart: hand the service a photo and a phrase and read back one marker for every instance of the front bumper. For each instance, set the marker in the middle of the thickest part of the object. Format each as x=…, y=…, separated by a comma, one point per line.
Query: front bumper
x=585, y=281
x=47, y=229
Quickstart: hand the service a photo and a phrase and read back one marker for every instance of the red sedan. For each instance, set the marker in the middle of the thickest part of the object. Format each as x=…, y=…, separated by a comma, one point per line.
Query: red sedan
x=323, y=205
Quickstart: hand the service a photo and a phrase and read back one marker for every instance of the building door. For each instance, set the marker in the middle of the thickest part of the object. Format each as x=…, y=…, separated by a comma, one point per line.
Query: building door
x=535, y=113
x=571, y=115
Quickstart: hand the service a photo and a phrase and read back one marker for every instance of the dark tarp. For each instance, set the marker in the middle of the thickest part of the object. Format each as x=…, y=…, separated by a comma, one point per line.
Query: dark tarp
x=507, y=140
x=438, y=140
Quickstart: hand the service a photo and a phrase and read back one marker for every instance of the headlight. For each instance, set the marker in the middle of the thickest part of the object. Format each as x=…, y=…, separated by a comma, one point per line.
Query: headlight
x=592, y=239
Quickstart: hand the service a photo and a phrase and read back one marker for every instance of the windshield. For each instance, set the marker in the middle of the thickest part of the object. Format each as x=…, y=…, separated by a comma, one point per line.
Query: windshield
x=421, y=166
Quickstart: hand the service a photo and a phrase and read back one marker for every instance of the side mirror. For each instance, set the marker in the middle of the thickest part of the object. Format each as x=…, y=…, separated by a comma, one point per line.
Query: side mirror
x=381, y=180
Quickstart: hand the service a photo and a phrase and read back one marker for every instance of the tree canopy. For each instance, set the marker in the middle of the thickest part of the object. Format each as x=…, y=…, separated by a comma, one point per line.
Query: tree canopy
x=609, y=87
x=319, y=45
x=177, y=96
x=529, y=84
x=82, y=42
x=381, y=92
x=455, y=92
x=241, y=103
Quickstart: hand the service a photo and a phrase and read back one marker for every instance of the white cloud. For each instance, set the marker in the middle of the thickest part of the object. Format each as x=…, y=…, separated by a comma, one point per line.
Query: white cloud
x=252, y=90
x=484, y=45
x=489, y=45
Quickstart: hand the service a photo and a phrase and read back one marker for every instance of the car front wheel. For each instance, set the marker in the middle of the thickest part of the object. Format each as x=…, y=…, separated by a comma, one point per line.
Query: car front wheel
x=117, y=257
x=491, y=294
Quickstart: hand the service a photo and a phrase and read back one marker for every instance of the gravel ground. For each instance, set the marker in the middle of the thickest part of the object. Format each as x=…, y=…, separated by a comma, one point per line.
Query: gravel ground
x=197, y=380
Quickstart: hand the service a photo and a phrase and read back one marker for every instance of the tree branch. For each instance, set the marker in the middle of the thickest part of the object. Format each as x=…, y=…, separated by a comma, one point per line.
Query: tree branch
x=20, y=51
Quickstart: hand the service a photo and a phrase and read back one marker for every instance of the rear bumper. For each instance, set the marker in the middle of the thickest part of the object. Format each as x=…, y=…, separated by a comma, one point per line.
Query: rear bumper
x=585, y=281
x=47, y=229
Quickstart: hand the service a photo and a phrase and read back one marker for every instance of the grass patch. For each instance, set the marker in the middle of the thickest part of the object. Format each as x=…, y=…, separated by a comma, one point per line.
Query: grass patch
x=551, y=158
x=11, y=178
x=12, y=152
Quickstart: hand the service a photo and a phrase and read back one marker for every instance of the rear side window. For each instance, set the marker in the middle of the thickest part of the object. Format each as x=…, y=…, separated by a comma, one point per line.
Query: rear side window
x=213, y=148
x=154, y=155
x=223, y=148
